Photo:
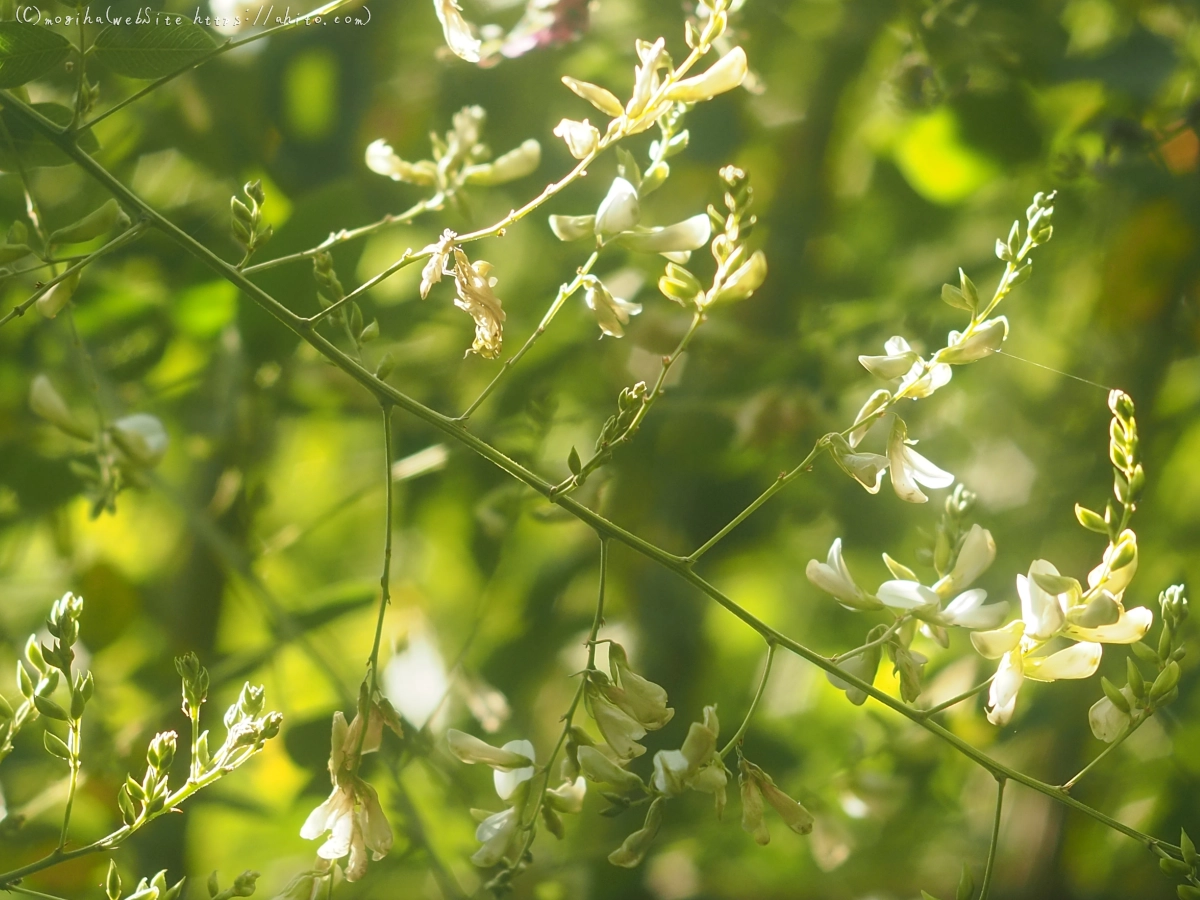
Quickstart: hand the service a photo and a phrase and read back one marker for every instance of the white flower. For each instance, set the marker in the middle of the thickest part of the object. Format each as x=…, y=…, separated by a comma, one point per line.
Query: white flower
x=645, y=78
x=906, y=595
x=909, y=468
x=1077, y=661
x=868, y=416
x=508, y=780
x=611, y=312
x=435, y=268
x=48, y=404
x=682, y=237
x=1002, y=696
x=600, y=768
x=1107, y=720
x=470, y=750
x=724, y=75
x=922, y=380
x=474, y=284
x=897, y=362
x=1042, y=612
x=382, y=160
x=516, y=163
x=460, y=37
x=351, y=814
x=1131, y=626
x=1118, y=566
x=620, y=730
x=976, y=556
x=994, y=644
x=142, y=437
x=568, y=796
x=572, y=228
x=984, y=341
x=967, y=611
x=865, y=468
x=581, y=138
x=619, y=211
x=495, y=833
x=834, y=578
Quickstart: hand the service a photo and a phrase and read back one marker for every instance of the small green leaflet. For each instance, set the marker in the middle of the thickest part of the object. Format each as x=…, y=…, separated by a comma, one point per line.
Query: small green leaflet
x=151, y=52
x=28, y=51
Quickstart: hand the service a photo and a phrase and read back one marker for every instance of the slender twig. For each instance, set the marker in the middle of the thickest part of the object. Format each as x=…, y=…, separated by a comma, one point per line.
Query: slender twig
x=74, y=740
x=990, y=868
x=436, y=202
x=564, y=292
x=681, y=566
x=18, y=889
x=1120, y=739
x=758, y=694
x=958, y=698
x=871, y=645
x=385, y=581
x=120, y=240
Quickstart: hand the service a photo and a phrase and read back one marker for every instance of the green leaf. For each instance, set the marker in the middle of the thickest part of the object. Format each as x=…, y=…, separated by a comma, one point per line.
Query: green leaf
x=49, y=708
x=152, y=52
x=966, y=884
x=28, y=51
x=574, y=463
x=33, y=149
x=954, y=297
x=94, y=224
x=55, y=745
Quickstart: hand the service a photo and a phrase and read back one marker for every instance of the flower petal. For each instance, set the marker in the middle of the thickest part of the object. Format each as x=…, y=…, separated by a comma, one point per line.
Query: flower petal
x=1077, y=661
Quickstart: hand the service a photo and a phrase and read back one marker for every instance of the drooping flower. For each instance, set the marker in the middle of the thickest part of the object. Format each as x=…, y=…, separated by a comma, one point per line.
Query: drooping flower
x=909, y=468
x=351, y=814
x=757, y=786
x=985, y=340
x=612, y=312
x=865, y=468
x=619, y=210
x=967, y=610
x=896, y=363
x=460, y=36
x=474, y=284
x=834, y=578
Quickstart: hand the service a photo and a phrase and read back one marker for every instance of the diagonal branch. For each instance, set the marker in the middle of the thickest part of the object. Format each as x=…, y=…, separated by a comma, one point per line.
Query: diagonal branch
x=681, y=566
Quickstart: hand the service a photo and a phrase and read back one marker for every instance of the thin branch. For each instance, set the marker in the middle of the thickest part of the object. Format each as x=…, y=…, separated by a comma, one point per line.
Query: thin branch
x=871, y=645
x=681, y=566
x=758, y=694
x=1121, y=738
x=990, y=869
x=385, y=581
x=958, y=698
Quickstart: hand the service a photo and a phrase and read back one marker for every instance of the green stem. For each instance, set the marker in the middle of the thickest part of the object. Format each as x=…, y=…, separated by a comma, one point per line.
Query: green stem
x=18, y=889
x=434, y=203
x=385, y=581
x=119, y=241
x=681, y=566
x=1124, y=735
x=762, y=686
x=778, y=485
x=74, y=738
x=870, y=645
x=990, y=868
x=564, y=292
x=959, y=698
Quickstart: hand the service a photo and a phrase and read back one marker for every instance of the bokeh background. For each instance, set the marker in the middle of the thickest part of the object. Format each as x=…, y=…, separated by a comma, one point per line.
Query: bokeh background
x=889, y=142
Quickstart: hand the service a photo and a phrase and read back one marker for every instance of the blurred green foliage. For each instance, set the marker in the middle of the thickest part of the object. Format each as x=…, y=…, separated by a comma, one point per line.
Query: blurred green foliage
x=889, y=141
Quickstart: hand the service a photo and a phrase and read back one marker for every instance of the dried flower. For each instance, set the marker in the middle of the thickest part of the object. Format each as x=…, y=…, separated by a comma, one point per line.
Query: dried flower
x=474, y=284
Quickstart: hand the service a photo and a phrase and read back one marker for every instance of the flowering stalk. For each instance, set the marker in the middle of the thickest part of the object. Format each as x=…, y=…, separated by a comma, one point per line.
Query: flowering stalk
x=758, y=693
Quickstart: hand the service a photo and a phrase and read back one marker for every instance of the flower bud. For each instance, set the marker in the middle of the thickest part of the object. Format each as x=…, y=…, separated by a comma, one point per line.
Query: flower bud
x=599, y=768
x=619, y=211
x=382, y=160
x=48, y=404
x=604, y=100
x=509, y=167
x=986, y=340
x=724, y=75
x=633, y=850
x=460, y=36
x=142, y=438
x=50, y=304
x=747, y=279
x=471, y=750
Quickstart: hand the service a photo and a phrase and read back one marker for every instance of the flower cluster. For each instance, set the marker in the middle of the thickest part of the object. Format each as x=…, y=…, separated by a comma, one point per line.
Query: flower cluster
x=351, y=815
